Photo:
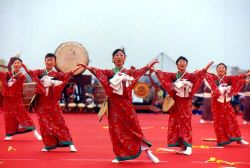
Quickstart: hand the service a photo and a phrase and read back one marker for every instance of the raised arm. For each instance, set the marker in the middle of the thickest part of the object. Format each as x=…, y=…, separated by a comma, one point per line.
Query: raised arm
x=91, y=69
x=67, y=75
x=203, y=71
x=238, y=82
x=198, y=77
x=166, y=79
x=39, y=87
x=214, y=88
x=76, y=69
x=102, y=75
x=138, y=73
x=31, y=74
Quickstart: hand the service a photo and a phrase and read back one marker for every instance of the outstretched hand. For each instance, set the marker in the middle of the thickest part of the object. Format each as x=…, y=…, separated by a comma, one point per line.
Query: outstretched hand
x=77, y=67
x=82, y=65
x=208, y=65
x=3, y=66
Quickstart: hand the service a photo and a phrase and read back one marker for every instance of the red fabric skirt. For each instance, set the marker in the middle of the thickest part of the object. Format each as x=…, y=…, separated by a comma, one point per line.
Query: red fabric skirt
x=17, y=119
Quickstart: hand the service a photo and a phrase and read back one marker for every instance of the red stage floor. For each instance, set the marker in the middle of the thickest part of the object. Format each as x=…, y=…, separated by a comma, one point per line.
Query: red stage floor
x=92, y=141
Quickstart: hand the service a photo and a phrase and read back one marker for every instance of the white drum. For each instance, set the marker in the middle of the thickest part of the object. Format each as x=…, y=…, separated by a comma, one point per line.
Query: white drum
x=69, y=54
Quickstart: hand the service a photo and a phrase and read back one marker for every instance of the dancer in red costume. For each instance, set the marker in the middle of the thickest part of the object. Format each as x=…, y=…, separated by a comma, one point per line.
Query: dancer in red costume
x=125, y=132
x=181, y=86
x=17, y=119
x=223, y=88
x=53, y=128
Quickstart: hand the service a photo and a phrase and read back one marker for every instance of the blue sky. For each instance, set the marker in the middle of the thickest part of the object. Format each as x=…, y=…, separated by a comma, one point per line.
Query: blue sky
x=201, y=30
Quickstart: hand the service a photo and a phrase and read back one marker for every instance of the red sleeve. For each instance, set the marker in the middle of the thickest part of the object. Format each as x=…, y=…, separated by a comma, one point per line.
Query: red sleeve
x=102, y=75
x=38, y=72
x=237, y=83
x=34, y=76
x=197, y=79
x=61, y=75
x=39, y=86
x=214, y=88
x=166, y=79
x=66, y=76
x=137, y=74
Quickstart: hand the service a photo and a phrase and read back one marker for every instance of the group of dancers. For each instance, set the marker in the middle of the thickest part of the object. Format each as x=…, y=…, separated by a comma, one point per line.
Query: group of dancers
x=126, y=134
x=54, y=131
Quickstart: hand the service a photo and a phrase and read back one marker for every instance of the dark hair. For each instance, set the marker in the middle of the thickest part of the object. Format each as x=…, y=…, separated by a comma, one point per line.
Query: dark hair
x=222, y=65
x=117, y=50
x=13, y=59
x=181, y=58
x=50, y=55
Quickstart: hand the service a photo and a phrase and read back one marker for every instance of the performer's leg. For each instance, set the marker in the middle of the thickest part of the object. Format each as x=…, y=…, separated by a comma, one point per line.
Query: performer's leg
x=11, y=126
x=26, y=121
x=37, y=135
x=243, y=142
x=49, y=140
x=44, y=150
x=72, y=148
x=8, y=138
x=188, y=151
x=149, y=154
x=234, y=130
x=115, y=161
x=185, y=139
x=61, y=132
x=219, y=128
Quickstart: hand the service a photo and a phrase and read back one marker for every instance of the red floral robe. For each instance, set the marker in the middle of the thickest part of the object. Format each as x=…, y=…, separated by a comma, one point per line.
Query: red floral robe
x=124, y=129
x=179, y=125
x=225, y=122
x=53, y=128
x=17, y=119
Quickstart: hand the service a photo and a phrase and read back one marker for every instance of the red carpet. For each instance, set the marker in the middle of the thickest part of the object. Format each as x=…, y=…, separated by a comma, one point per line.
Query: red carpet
x=92, y=141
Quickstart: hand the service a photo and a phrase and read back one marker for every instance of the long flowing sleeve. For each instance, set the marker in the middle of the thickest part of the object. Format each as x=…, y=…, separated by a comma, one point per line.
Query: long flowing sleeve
x=166, y=79
x=214, y=88
x=14, y=90
x=237, y=83
x=103, y=76
x=137, y=74
x=39, y=86
x=63, y=76
x=197, y=79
